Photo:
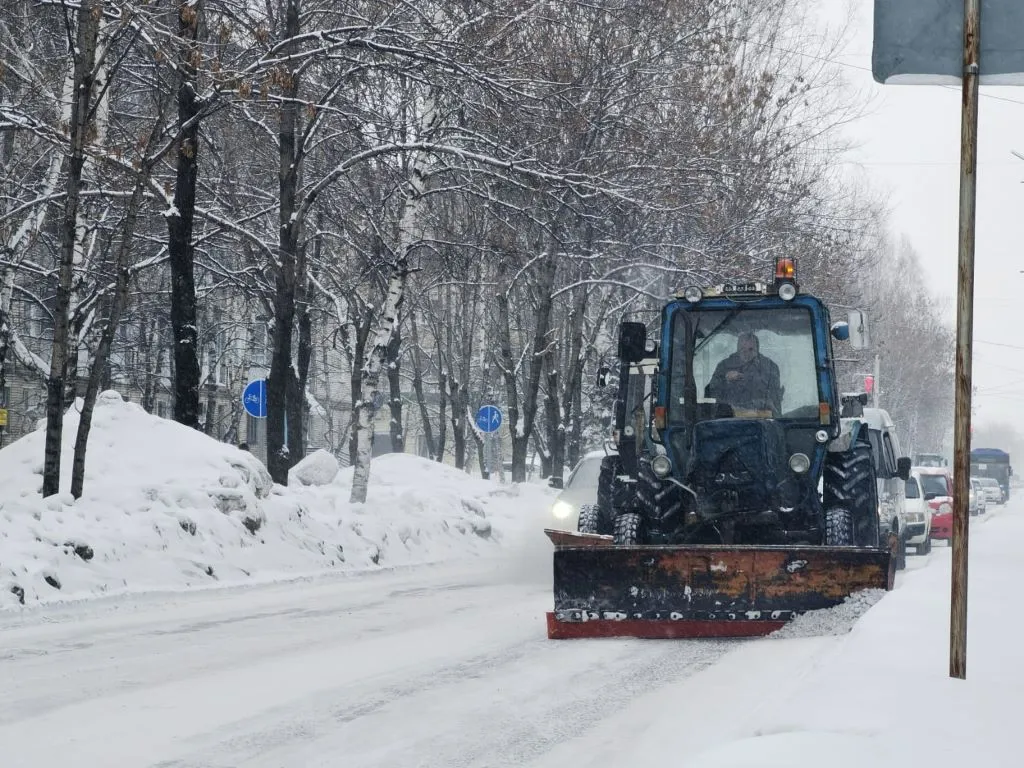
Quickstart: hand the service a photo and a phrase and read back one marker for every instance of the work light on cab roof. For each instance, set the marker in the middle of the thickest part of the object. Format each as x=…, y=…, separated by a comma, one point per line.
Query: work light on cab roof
x=784, y=285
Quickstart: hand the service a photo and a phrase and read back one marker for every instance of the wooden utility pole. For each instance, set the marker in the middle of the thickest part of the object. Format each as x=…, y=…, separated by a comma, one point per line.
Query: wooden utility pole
x=964, y=331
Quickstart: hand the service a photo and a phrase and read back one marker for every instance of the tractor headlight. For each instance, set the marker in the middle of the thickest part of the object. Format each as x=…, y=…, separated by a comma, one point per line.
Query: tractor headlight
x=661, y=465
x=945, y=508
x=561, y=510
x=693, y=294
x=799, y=463
x=821, y=436
x=787, y=291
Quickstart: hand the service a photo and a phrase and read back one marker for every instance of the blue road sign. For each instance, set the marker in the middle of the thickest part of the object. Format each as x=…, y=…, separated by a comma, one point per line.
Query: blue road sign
x=254, y=398
x=488, y=418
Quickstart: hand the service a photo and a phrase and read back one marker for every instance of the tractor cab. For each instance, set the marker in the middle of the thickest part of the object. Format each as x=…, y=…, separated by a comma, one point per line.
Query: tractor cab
x=746, y=400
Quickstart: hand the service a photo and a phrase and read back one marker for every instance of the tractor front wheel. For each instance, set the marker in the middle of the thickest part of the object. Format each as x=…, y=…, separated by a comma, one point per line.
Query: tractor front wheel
x=628, y=528
x=590, y=519
x=849, y=483
x=838, y=527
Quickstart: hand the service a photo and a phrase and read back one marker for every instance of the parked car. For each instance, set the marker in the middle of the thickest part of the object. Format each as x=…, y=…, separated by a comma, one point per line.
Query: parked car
x=892, y=470
x=579, y=492
x=937, y=487
x=980, y=496
x=973, y=506
x=993, y=491
x=919, y=517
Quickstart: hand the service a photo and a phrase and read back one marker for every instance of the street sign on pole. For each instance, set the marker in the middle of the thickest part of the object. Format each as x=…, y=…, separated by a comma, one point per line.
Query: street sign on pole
x=254, y=398
x=921, y=42
x=972, y=42
x=488, y=418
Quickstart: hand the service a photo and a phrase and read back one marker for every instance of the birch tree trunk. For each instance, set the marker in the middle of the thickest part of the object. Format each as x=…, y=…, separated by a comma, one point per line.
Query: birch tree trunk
x=386, y=324
x=362, y=337
x=84, y=57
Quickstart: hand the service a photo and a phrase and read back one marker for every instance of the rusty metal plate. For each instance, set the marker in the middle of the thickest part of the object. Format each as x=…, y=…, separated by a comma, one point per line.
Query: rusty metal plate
x=576, y=539
x=711, y=582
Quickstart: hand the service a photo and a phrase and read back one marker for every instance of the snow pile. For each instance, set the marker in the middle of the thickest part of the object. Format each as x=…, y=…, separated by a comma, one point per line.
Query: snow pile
x=165, y=507
x=881, y=695
x=831, y=621
x=319, y=468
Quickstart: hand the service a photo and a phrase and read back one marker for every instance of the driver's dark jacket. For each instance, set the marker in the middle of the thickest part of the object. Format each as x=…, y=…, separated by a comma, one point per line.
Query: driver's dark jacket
x=759, y=389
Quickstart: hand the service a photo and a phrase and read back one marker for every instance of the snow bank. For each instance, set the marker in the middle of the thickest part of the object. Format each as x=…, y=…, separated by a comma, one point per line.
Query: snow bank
x=319, y=468
x=881, y=695
x=165, y=507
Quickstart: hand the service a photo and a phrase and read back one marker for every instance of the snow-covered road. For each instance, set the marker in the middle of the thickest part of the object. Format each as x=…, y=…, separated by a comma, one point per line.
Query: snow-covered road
x=431, y=666
x=443, y=665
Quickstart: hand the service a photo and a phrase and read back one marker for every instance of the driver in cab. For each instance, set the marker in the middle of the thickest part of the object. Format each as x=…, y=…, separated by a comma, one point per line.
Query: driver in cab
x=747, y=380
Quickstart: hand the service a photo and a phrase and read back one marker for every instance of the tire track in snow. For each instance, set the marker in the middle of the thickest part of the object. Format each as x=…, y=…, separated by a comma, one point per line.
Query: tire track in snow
x=497, y=709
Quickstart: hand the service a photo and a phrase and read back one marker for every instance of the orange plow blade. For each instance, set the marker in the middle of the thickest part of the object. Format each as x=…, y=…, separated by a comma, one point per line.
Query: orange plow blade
x=603, y=590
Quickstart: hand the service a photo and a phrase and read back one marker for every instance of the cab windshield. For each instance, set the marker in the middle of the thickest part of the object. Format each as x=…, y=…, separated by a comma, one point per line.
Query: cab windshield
x=749, y=363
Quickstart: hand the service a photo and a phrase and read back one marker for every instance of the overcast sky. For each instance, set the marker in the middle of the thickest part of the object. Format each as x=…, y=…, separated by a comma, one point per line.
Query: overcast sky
x=909, y=147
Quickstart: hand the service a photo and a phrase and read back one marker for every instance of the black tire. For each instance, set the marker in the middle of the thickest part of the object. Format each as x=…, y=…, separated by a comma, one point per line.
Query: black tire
x=628, y=529
x=611, y=467
x=901, y=551
x=849, y=483
x=838, y=527
x=924, y=548
x=590, y=519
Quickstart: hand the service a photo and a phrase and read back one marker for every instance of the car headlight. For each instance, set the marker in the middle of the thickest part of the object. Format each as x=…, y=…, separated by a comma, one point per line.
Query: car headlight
x=661, y=465
x=562, y=509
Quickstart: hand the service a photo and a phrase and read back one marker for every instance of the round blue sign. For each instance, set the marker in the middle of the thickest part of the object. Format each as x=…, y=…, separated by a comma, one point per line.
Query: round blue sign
x=488, y=418
x=254, y=398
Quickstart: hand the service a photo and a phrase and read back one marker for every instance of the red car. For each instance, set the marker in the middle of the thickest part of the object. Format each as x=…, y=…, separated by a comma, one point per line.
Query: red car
x=937, y=487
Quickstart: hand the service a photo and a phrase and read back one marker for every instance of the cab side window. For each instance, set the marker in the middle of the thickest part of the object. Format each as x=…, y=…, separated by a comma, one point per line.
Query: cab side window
x=889, y=456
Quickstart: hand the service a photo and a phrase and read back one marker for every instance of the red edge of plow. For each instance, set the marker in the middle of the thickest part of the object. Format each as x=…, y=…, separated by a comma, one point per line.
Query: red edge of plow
x=650, y=629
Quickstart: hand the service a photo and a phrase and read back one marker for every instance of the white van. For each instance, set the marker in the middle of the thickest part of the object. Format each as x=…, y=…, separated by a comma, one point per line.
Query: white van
x=893, y=470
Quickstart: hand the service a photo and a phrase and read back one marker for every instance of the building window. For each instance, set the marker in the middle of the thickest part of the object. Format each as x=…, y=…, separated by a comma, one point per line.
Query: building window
x=258, y=341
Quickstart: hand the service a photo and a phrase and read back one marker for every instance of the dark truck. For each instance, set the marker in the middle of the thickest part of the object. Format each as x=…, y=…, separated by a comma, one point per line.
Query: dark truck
x=994, y=463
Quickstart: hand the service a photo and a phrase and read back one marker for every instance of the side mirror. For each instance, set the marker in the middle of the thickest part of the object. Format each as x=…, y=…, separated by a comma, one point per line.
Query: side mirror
x=841, y=331
x=857, y=330
x=903, y=467
x=632, y=342
x=930, y=496
x=556, y=482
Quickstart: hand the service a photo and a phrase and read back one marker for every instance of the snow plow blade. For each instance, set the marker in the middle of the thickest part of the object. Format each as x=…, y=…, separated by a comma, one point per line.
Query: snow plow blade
x=603, y=590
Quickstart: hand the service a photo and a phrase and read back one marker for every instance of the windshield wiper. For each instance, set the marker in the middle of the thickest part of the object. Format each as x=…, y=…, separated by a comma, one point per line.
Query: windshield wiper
x=728, y=319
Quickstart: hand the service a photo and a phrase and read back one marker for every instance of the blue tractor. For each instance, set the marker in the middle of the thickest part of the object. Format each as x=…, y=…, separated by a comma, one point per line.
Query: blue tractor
x=738, y=496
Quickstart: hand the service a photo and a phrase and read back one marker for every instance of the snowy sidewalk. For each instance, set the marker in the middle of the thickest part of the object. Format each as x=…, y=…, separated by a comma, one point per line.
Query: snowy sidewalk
x=881, y=696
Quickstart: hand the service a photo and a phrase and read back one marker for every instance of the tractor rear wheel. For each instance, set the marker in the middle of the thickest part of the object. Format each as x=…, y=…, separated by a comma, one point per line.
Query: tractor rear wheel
x=849, y=483
x=627, y=529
